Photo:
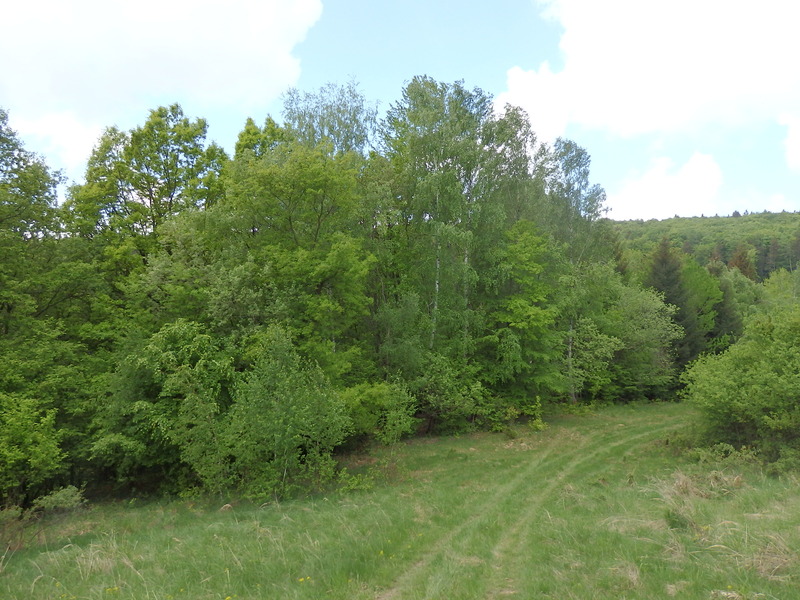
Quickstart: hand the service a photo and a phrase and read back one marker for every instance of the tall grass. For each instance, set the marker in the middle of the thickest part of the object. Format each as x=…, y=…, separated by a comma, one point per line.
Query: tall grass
x=595, y=506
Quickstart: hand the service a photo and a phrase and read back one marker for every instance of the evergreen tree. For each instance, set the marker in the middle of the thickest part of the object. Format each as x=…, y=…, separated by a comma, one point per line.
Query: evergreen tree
x=666, y=276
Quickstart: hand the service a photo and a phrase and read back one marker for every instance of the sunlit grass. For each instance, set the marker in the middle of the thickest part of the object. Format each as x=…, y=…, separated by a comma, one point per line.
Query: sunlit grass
x=595, y=506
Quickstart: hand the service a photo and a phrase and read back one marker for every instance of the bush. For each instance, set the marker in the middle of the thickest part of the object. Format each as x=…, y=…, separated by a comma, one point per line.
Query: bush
x=383, y=411
x=161, y=422
x=29, y=448
x=750, y=394
x=61, y=500
x=285, y=422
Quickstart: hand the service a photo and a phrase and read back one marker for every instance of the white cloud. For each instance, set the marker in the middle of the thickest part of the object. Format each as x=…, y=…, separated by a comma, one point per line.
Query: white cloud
x=101, y=61
x=665, y=190
x=61, y=138
x=548, y=112
x=633, y=67
x=792, y=142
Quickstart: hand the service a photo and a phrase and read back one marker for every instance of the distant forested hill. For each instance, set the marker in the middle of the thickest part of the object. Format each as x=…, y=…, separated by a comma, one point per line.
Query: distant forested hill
x=755, y=243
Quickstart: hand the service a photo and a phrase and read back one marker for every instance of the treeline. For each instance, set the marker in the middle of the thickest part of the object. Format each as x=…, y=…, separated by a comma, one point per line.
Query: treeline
x=757, y=244
x=192, y=320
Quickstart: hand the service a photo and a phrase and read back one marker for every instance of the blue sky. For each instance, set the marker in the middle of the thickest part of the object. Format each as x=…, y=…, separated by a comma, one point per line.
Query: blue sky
x=687, y=107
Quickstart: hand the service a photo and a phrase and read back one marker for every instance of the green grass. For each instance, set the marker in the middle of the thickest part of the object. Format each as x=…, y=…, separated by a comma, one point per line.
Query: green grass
x=595, y=506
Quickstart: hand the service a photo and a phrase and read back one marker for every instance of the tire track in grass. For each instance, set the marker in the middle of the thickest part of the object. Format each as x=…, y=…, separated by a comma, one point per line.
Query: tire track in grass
x=512, y=543
x=507, y=502
x=483, y=512
x=488, y=510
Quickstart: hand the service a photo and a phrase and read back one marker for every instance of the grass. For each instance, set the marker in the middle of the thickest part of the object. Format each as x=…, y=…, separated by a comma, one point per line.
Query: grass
x=595, y=506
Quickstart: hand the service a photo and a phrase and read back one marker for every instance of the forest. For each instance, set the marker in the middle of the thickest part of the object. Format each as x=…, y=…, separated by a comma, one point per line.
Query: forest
x=188, y=321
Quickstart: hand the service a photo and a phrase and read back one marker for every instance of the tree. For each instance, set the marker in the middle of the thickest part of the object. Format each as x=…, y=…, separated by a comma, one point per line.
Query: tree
x=743, y=259
x=434, y=139
x=337, y=115
x=703, y=297
x=668, y=275
x=587, y=292
x=168, y=167
x=52, y=301
x=27, y=225
x=27, y=188
x=459, y=177
x=291, y=215
x=573, y=205
x=617, y=337
x=644, y=364
x=521, y=346
x=260, y=140
x=295, y=195
x=136, y=180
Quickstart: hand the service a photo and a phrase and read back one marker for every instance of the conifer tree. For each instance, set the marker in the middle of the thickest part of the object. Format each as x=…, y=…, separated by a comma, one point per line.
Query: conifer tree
x=666, y=276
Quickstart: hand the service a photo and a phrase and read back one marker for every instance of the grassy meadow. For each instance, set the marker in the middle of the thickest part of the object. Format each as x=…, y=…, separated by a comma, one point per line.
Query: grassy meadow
x=597, y=505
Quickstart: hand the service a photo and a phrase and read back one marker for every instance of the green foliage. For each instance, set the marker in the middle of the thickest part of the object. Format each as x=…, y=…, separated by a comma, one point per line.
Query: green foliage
x=188, y=322
x=285, y=422
x=27, y=189
x=178, y=412
x=61, y=500
x=296, y=194
x=758, y=243
x=693, y=291
x=338, y=115
x=644, y=366
x=136, y=180
x=29, y=448
x=161, y=419
x=383, y=411
x=447, y=400
x=573, y=205
x=747, y=396
x=522, y=336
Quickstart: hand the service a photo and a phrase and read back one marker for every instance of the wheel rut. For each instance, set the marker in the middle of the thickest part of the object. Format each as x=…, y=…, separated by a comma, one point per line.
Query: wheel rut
x=515, y=504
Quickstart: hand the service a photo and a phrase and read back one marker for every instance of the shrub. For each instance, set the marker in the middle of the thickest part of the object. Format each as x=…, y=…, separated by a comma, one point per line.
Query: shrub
x=750, y=394
x=29, y=447
x=285, y=422
x=383, y=411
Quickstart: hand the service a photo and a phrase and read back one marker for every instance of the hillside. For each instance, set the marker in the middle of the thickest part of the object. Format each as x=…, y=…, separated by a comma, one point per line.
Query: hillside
x=594, y=506
x=769, y=241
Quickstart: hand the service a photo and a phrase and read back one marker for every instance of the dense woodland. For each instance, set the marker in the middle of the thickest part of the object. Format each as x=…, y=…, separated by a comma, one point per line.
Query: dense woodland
x=189, y=321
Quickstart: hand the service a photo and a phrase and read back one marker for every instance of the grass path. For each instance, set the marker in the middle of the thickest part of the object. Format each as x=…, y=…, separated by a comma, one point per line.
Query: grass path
x=582, y=463
x=596, y=506
x=509, y=519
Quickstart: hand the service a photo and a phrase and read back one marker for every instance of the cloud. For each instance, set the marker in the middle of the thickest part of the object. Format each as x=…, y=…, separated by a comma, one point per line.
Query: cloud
x=665, y=190
x=633, y=67
x=548, y=112
x=792, y=142
x=92, y=55
x=98, y=61
x=61, y=138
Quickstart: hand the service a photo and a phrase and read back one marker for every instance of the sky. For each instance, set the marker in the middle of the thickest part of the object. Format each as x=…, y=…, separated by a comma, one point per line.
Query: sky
x=687, y=107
